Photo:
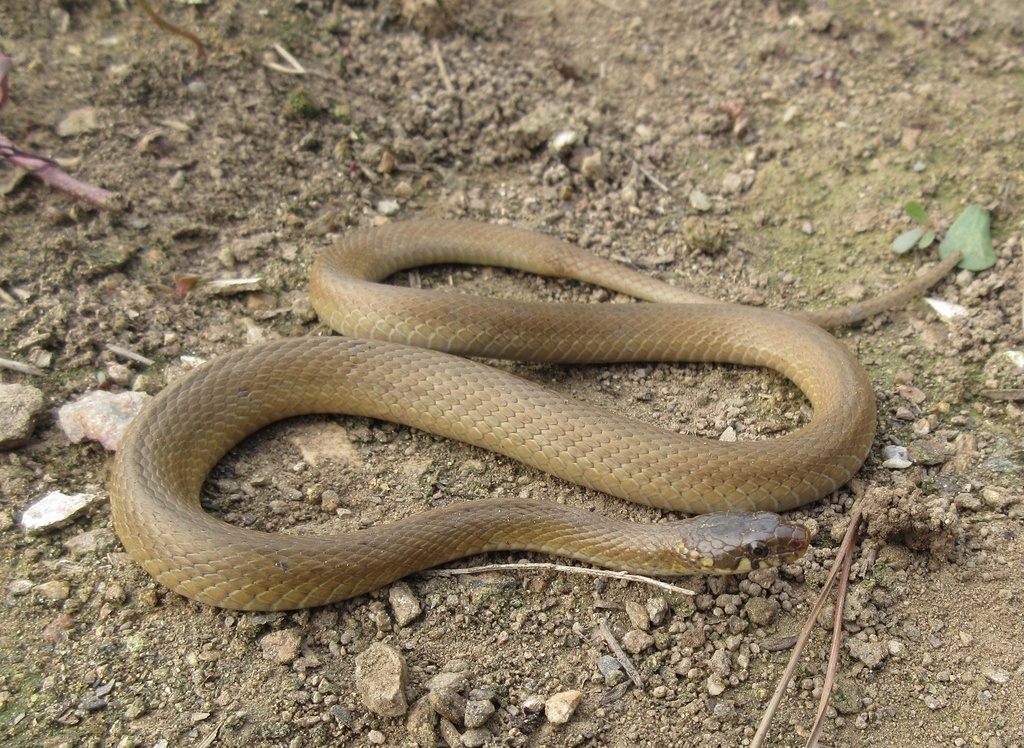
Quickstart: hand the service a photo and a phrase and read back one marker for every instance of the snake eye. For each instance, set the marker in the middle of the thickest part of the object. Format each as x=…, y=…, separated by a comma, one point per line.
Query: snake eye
x=758, y=550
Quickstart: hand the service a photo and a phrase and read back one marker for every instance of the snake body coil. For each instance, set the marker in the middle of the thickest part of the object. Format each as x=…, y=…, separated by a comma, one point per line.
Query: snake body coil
x=385, y=369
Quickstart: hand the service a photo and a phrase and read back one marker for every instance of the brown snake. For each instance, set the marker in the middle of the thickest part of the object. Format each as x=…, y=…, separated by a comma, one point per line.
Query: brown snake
x=384, y=369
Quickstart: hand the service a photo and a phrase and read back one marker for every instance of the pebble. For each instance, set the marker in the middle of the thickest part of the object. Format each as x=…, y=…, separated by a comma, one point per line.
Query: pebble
x=592, y=167
x=477, y=712
x=476, y=737
x=720, y=663
x=716, y=685
x=89, y=542
x=281, y=646
x=404, y=605
x=421, y=721
x=388, y=207
x=635, y=641
x=895, y=457
x=700, y=202
x=870, y=653
x=376, y=737
x=449, y=704
x=450, y=734
x=657, y=610
x=77, y=122
x=996, y=674
x=761, y=611
x=608, y=664
x=638, y=615
x=55, y=509
x=55, y=590
x=381, y=679
x=559, y=708
x=20, y=404
x=101, y=416
x=946, y=310
x=453, y=681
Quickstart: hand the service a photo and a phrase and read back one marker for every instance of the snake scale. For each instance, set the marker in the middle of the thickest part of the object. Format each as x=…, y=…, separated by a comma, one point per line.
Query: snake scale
x=402, y=359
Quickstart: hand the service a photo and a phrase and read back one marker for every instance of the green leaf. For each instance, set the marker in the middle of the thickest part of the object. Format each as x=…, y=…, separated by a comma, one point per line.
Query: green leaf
x=927, y=239
x=906, y=241
x=915, y=211
x=971, y=234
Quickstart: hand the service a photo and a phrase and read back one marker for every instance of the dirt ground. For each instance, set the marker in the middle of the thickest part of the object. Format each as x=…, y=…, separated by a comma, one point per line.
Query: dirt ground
x=754, y=151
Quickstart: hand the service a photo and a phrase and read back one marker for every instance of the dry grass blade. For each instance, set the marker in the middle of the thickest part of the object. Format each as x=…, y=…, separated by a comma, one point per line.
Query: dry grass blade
x=805, y=633
x=837, y=638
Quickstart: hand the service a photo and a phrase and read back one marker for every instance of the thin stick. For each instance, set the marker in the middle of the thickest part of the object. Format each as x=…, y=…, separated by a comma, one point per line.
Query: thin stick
x=6, y=363
x=449, y=86
x=837, y=639
x=129, y=354
x=650, y=177
x=560, y=568
x=170, y=27
x=805, y=635
x=620, y=654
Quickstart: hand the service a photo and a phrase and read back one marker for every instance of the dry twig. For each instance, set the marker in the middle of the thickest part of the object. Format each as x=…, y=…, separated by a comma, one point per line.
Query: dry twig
x=620, y=654
x=564, y=569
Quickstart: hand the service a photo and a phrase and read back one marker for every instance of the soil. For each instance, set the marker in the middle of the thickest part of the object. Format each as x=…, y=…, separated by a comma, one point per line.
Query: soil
x=753, y=151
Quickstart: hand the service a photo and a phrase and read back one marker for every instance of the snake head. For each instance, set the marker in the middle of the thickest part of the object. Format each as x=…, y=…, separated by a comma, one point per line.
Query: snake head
x=738, y=542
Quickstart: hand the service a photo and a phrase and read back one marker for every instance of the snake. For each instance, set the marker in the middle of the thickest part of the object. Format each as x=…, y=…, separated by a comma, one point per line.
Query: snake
x=410, y=356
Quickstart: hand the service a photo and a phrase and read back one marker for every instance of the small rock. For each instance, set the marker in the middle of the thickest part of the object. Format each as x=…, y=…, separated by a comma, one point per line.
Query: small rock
x=846, y=697
x=542, y=124
x=404, y=605
x=421, y=721
x=870, y=653
x=636, y=641
x=559, y=708
x=996, y=674
x=700, y=202
x=476, y=737
x=55, y=509
x=453, y=681
x=562, y=142
x=376, y=737
x=388, y=207
x=761, y=611
x=946, y=310
x=381, y=679
x=91, y=541
x=55, y=590
x=533, y=705
x=592, y=167
x=477, y=712
x=657, y=610
x=638, y=615
x=999, y=498
x=608, y=664
x=450, y=734
x=100, y=415
x=78, y=121
x=895, y=457
x=449, y=704
x=732, y=183
x=720, y=663
x=281, y=646
x=716, y=685
x=19, y=407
